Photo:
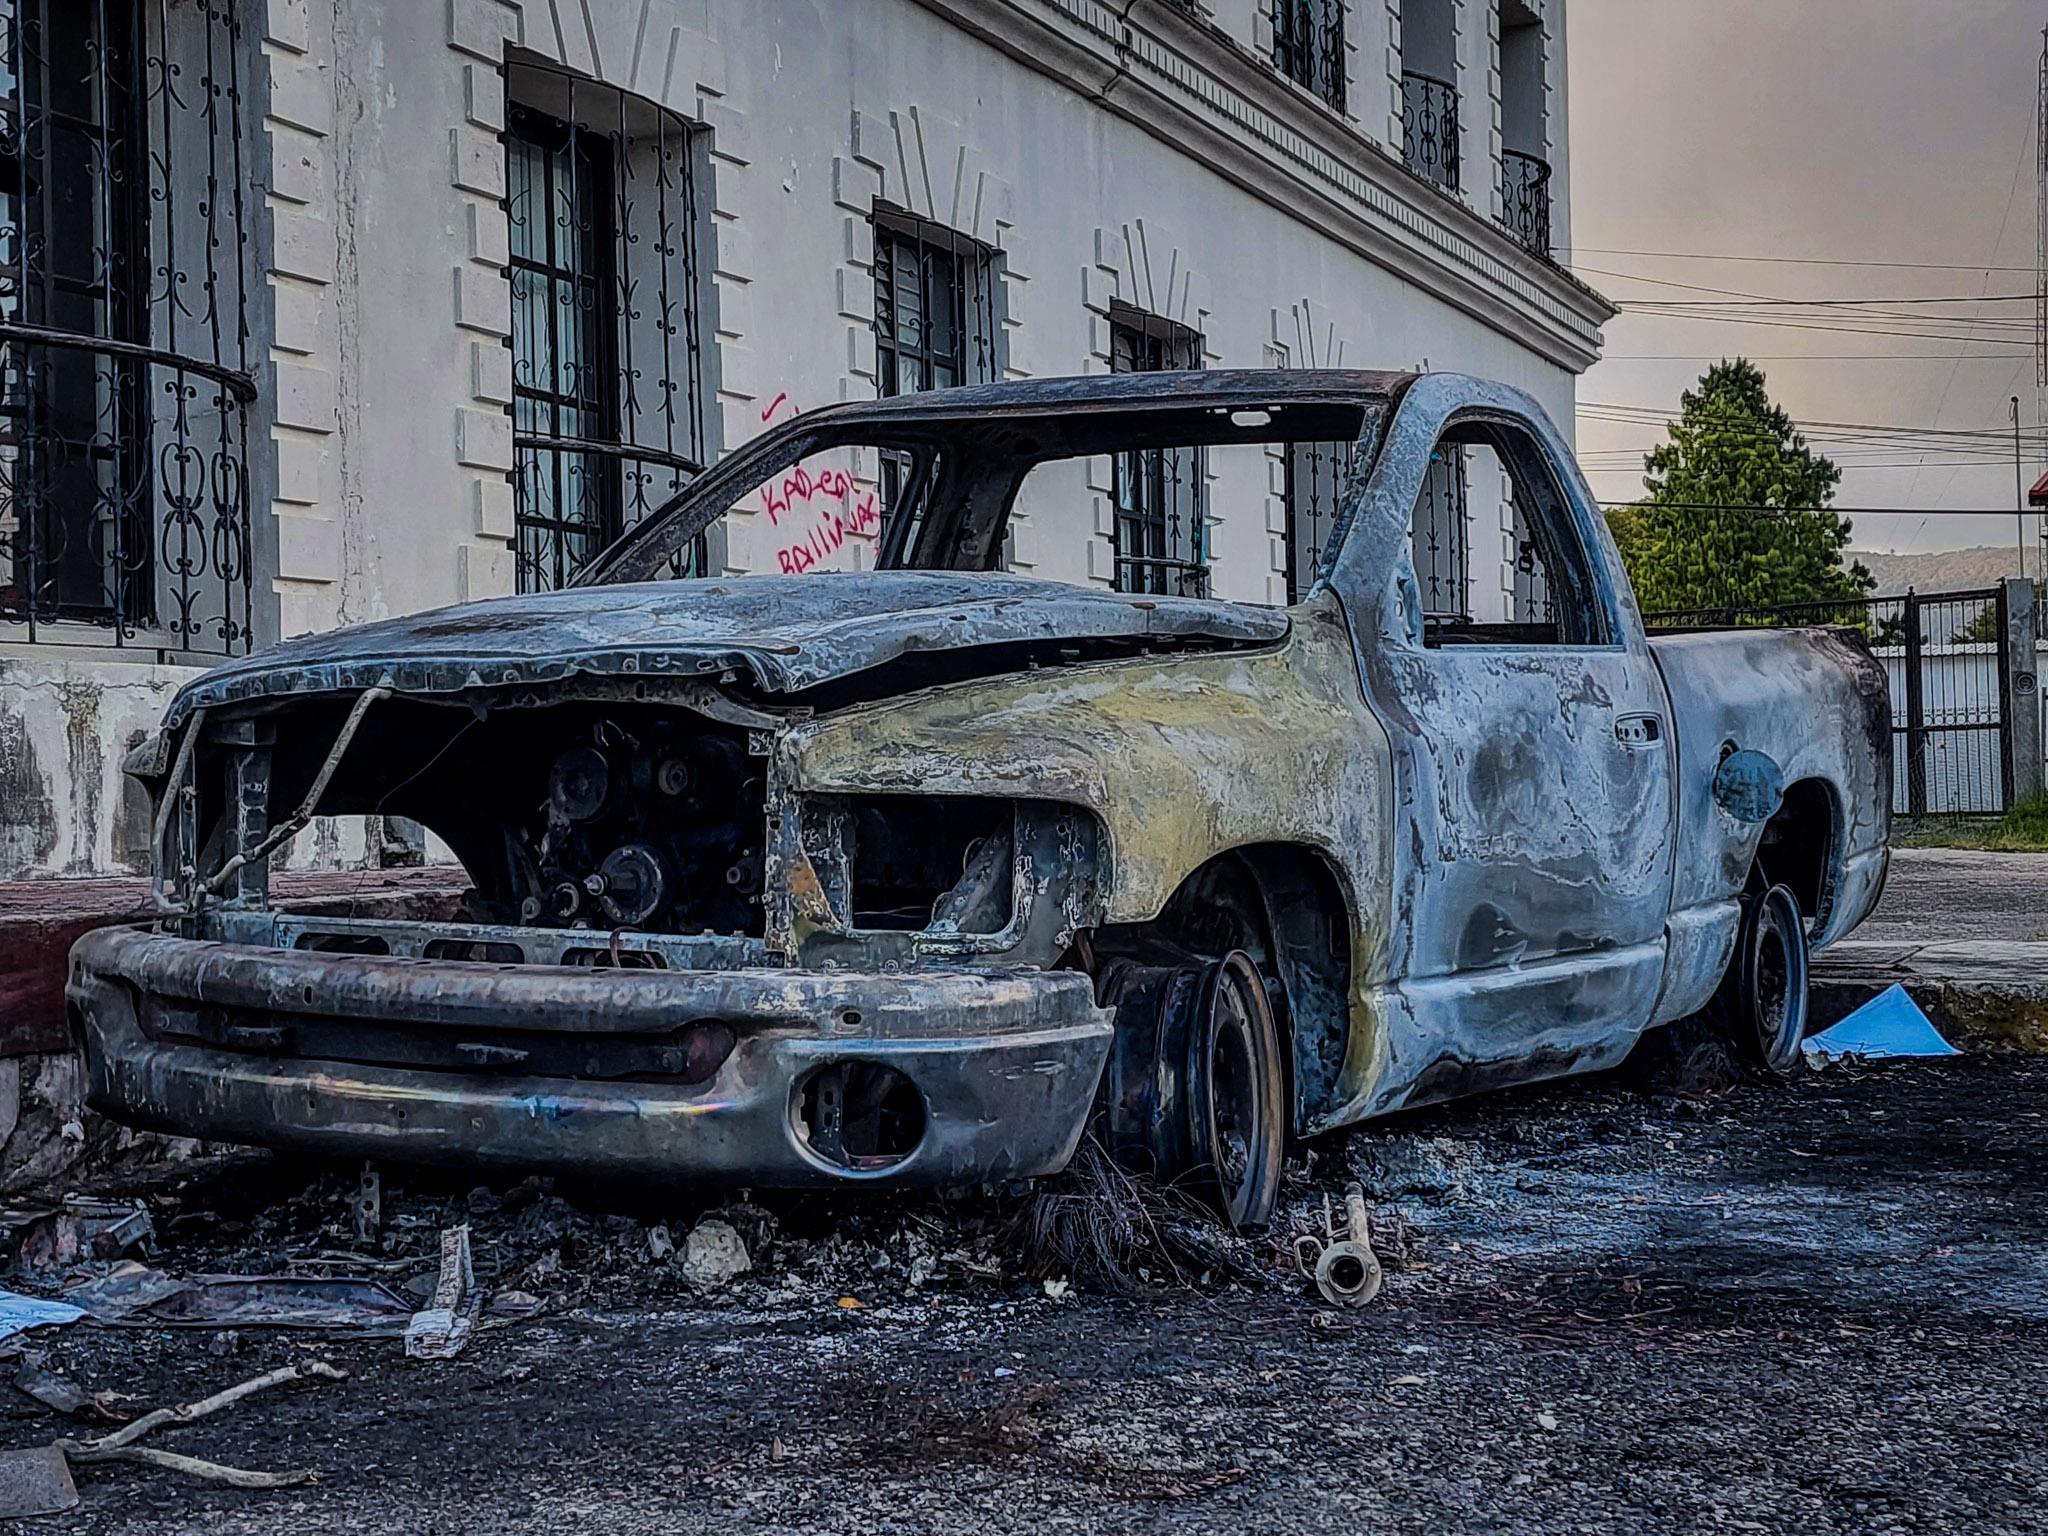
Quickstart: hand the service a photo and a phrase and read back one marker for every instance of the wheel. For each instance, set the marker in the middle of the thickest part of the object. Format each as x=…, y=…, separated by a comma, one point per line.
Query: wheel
x=1196, y=1088
x=1767, y=1012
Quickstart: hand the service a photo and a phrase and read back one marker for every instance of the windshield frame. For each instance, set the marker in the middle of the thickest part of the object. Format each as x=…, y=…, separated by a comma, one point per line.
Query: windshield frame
x=986, y=438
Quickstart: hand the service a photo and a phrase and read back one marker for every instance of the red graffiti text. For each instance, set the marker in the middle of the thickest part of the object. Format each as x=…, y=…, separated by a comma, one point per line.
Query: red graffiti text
x=829, y=533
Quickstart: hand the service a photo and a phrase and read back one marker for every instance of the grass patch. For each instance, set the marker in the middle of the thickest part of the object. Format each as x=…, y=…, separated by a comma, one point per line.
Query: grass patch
x=2023, y=829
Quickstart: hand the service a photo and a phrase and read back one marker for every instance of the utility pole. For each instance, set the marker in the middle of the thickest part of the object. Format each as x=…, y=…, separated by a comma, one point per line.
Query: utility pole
x=2019, y=488
x=2041, y=277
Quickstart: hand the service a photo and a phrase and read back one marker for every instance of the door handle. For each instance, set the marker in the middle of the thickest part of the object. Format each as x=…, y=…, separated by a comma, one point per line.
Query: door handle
x=1638, y=730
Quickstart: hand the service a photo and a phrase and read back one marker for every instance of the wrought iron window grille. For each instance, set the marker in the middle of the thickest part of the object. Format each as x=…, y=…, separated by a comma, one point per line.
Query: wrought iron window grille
x=1161, y=494
x=1440, y=536
x=1429, y=128
x=1315, y=477
x=936, y=294
x=125, y=370
x=1308, y=46
x=607, y=202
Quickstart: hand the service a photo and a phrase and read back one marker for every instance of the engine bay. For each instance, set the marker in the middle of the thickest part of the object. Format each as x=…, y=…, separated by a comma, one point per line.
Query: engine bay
x=644, y=826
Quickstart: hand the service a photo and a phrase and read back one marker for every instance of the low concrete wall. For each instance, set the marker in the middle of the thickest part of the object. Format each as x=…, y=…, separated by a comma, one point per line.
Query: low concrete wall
x=66, y=723
x=67, y=811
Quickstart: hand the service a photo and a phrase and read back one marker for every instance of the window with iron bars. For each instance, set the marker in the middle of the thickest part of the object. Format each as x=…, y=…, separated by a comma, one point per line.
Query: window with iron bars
x=610, y=414
x=1161, y=494
x=1440, y=538
x=125, y=370
x=937, y=322
x=1308, y=46
x=1316, y=473
x=935, y=306
x=1529, y=601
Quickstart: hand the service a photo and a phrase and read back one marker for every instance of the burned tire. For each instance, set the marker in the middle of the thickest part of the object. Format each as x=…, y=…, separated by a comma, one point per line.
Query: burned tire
x=1195, y=1092
x=1764, y=1003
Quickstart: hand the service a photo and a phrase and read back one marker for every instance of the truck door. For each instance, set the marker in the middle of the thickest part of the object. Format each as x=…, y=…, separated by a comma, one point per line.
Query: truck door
x=1532, y=756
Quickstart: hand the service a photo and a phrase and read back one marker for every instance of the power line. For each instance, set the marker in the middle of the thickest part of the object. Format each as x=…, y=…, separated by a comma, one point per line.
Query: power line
x=1997, y=242
x=1796, y=261
x=1966, y=298
x=1818, y=317
x=1854, y=330
x=1626, y=464
x=1888, y=429
x=1803, y=357
x=1719, y=506
x=1734, y=298
x=1826, y=320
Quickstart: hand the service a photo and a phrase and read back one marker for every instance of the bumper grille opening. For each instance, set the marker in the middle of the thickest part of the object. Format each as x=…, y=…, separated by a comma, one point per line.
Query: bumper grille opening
x=689, y=1055
x=861, y=1115
x=343, y=944
x=620, y=960
x=592, y=815
x=482, y=951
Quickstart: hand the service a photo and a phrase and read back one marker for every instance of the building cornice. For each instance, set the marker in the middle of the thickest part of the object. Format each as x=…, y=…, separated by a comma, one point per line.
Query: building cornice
x=1189, y=84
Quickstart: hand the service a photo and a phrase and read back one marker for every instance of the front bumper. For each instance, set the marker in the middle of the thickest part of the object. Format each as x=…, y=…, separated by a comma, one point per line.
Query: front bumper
x=1005, y=1062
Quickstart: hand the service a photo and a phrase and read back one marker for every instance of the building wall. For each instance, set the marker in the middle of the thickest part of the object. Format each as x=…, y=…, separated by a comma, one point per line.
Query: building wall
x=815, y=113
x=1123, y=152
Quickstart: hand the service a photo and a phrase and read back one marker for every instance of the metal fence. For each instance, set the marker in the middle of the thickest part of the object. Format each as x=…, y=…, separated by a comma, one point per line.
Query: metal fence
x=1947, y=662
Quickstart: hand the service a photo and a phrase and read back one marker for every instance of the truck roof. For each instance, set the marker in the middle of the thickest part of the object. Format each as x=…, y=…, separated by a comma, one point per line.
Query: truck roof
x=1192, y=386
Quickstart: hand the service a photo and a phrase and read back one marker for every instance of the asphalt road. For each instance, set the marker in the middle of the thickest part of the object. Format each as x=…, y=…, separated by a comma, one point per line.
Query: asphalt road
x=1818, y=1306
x=1934, y=894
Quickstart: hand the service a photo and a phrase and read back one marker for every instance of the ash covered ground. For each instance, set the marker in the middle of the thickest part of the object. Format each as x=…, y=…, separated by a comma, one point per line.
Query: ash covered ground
x=1817, y=1304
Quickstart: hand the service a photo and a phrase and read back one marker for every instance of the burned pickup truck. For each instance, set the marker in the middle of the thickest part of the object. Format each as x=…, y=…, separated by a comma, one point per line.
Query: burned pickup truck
x=910, y=875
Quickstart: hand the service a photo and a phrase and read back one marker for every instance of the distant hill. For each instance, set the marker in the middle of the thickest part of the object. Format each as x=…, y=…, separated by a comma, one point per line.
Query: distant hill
x=1944, y=570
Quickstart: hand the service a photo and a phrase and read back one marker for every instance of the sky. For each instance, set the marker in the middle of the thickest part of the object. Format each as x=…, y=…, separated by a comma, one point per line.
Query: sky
x=1832, y=131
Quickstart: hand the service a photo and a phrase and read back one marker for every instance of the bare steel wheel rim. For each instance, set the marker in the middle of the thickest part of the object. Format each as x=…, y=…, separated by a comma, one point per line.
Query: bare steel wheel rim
x=1775, y=978
x=1233, y=1093
x=1238, y=1108
x=1195, y=1089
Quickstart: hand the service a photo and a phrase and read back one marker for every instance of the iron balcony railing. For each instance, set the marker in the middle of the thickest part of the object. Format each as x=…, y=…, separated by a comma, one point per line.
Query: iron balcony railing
x=125, y=362
x=1429, y=128
x=128, y=525
x=1308, y=46
x=1525, y=187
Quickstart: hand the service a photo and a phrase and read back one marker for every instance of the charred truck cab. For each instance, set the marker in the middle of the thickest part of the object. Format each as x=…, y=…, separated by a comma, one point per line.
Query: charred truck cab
x=903, y=876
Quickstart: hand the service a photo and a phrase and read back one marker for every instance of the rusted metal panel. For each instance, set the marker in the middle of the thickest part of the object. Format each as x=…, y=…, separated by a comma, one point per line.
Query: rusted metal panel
x=1182, y=759
x=1816, y=703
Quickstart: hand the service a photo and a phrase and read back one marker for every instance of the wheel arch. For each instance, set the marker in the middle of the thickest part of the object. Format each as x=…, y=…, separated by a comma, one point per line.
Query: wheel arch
x=1801, y=849
x=1284, y=904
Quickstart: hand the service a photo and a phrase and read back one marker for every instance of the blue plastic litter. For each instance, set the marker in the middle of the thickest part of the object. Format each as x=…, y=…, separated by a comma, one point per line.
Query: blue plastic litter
x=20, y=1313
x=1889, y=1025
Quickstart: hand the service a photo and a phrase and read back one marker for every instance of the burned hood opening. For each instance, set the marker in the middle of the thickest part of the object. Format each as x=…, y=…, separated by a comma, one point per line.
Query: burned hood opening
x=772, y=634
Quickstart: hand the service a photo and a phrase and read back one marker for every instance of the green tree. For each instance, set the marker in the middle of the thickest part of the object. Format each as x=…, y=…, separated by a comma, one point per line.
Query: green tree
x=1736, y=511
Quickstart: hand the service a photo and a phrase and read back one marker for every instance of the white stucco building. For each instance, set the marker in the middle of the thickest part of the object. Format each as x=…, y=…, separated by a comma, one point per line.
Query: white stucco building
x=315, y=313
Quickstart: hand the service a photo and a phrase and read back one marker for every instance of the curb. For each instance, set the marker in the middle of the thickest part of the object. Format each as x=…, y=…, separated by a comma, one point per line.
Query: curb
x=1982, y=994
